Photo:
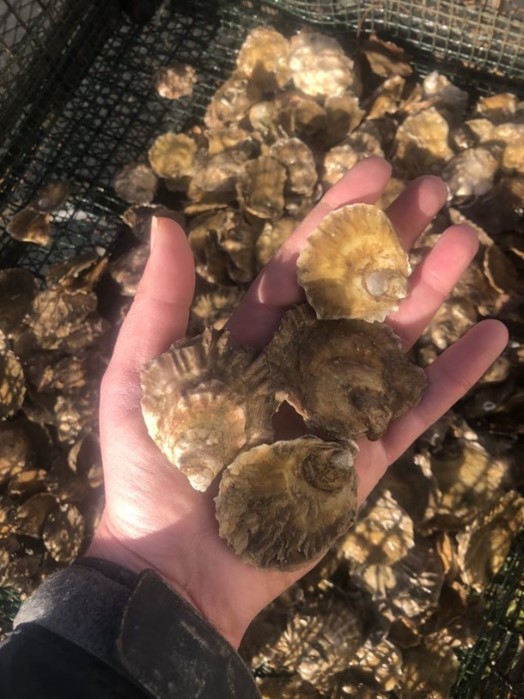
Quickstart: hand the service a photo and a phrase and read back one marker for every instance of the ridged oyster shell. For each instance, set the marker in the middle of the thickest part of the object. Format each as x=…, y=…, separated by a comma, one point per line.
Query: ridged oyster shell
x=353, y=265
x=204, y=401
x=348, y=378
x=281, y=505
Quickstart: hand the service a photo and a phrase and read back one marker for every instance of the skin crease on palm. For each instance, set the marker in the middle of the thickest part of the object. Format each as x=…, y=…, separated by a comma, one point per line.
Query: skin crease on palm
x=152, y=517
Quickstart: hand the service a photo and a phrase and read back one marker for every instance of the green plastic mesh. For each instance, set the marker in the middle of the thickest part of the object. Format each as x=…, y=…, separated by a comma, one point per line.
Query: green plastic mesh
x=77, y=102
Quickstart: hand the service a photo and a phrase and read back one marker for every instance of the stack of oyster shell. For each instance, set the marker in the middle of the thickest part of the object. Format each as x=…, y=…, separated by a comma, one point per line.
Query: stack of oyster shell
x=384, y=611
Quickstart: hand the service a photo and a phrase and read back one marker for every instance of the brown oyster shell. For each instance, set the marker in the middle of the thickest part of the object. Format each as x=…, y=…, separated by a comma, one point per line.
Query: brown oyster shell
x=282, y=505
x=353, y=265
x=57, y=312
x=175, y=81
x=348, y=378
x=300, y=166
x=343, y=157
x=17, y=290
x=300, y=115
x=263, y=58
x=260, y=188
x=214, y=181
x=214, y=308
x=63, y=533
x=319, y=66
x=50, y=197
x=204, y=401
x=232, y=101
x=31, y=226
x=382, y=534
x=12, y=385
x=486, y=541
x=136, y=183
x=32, y=514
x=80, y=272
x=127, y=270
x=273, y=235
x=422, y=144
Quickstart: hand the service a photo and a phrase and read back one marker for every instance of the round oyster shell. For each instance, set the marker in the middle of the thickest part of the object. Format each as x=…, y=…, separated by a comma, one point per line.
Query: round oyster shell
x=260, y=189
x=172, y=156
x=348, y=378
x=204, y=401
x=353, y=265
x=422, y=144
x=51, y=197
x=136, y=183
x=281, y=505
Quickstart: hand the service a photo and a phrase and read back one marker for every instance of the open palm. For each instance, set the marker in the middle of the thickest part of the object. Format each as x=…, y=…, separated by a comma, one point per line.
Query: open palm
x=153, y=518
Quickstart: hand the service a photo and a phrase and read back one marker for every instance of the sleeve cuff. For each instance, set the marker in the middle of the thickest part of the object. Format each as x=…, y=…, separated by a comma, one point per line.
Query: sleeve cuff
x=138, y=624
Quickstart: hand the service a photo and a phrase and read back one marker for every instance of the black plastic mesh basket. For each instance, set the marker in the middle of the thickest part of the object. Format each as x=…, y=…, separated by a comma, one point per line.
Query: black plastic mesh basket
x=77, y=103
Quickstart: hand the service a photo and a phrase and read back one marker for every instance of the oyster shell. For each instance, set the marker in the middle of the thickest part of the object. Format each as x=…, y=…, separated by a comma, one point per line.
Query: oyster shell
x=486, y=541
x=17, y=290
x=263, y=59
x=260, y=188
x=300, y=166
x=80, y=273
x=57, y=312
x=422, y=144
x=32, y=514
x=343, y=157
x=172, y=156
x=382, y=534
x=471, y=172
x=127, y=270
x=63, y=533
x=205, y=401
x=31, y=226
x=353, y=265
x=272, y=237
x=319, y=66
x=300, y=115
x=50, y=197
x=12, y=385
x=214, y=181
x=175, y=81
x=232, y=101
x=213, y=308
x=282, y=505
x=348, y=378
x=136, y=183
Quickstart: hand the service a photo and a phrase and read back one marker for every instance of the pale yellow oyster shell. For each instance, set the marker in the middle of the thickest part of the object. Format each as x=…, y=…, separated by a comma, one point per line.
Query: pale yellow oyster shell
x=348, y=378
x=353, y=265
x=204, y=401
x=281, y=505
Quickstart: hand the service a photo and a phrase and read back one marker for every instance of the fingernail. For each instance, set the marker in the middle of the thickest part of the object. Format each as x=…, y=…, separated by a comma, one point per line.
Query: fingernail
x=153, y=232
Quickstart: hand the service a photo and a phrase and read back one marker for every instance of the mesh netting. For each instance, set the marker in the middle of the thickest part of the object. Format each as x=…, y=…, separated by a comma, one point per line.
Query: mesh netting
x=77, y=103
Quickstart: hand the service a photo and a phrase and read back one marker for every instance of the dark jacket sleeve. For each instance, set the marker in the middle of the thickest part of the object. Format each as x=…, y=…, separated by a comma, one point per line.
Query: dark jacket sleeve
x=98, y=631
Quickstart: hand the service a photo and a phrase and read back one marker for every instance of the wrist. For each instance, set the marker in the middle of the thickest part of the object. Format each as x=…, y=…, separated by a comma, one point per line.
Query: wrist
x=108, y=546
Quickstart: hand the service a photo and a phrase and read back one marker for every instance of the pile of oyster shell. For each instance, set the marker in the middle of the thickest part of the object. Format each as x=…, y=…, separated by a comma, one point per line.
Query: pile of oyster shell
x=54, y=348
x=384, y=611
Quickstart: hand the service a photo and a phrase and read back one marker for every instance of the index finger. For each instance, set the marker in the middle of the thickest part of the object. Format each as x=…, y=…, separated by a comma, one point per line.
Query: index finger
x=255, y=320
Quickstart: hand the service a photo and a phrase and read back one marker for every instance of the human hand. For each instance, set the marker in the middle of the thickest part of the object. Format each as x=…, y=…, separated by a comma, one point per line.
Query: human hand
x=153, y=518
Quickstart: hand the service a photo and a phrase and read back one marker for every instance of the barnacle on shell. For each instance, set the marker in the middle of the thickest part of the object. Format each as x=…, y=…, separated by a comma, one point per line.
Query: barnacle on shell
x=281, y=505
x=204, y=401
x=348, y=378
x=353, y=265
